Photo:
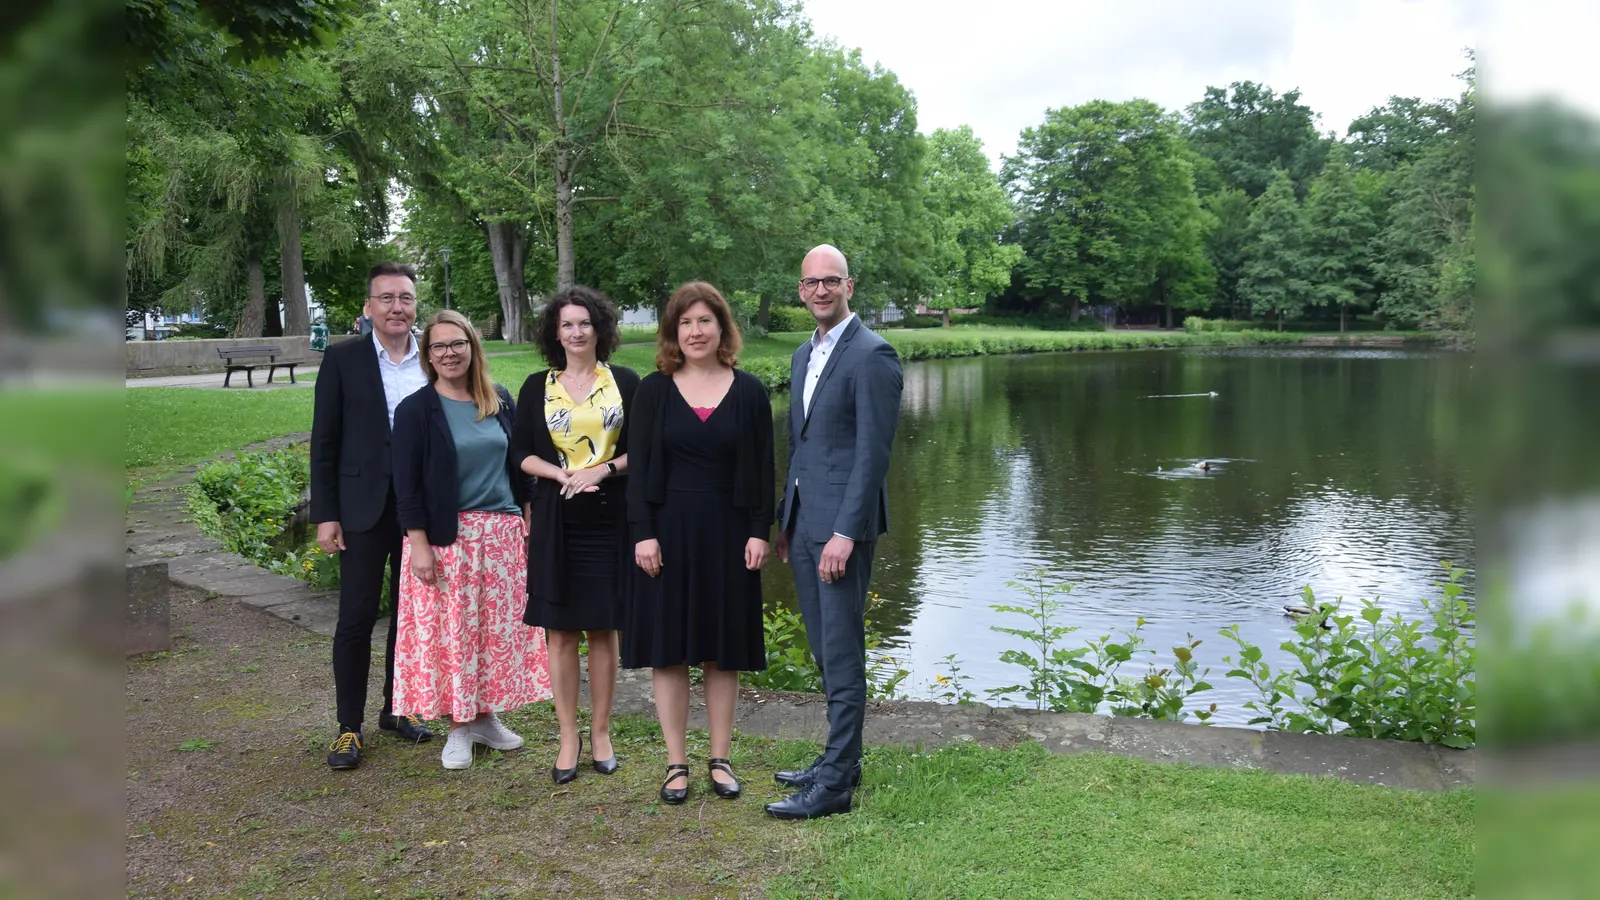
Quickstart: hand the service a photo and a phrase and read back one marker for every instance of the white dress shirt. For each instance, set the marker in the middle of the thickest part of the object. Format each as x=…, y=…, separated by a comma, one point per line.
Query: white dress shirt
x=400, y=379
x=821, y=349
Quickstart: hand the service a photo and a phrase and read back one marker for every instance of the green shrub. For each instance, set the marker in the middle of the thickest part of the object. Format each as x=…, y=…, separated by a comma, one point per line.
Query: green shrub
x=247, y=502
x=1197, y=325
x=790, y=317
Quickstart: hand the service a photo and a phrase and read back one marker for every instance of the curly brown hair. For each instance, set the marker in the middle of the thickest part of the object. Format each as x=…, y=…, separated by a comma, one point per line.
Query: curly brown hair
x=602, y=314
x=669, y=356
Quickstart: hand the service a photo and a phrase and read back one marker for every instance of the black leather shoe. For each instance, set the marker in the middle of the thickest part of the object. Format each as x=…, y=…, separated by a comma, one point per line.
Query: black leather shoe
x=607, y=766
x=725, y=791
x=810, y=802
x=409, y=728
x=803, y=777
x=345, y=751
x=566, y=776
x=675, y=796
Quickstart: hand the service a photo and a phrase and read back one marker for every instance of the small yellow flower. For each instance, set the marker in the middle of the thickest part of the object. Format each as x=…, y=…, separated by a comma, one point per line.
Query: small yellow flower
x=943, y=680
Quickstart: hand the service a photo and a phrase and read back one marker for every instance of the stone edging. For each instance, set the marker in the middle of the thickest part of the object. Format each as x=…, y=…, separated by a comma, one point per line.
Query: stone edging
x=157, y=532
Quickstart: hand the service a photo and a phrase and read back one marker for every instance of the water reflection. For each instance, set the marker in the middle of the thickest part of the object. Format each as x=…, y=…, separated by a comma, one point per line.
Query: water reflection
x=1337, y=469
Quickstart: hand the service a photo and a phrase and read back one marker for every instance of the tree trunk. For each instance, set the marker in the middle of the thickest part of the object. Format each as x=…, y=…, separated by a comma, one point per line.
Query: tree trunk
x=764, y=311
x=946, y=314
x=255, y=308
x=296, y=317
x=566, y=268
x=1168, y=307
x=1342, y=308
x=272, y=318
x=508, y=251
x=1077, y=307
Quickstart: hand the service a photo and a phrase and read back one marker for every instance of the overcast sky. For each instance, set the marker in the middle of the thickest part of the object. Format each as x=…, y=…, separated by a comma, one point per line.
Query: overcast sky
x=998, y=64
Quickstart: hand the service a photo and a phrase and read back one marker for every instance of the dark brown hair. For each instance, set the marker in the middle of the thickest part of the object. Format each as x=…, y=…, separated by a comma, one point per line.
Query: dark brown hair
x=602, y=315
x=669, y=356
x=391, y=268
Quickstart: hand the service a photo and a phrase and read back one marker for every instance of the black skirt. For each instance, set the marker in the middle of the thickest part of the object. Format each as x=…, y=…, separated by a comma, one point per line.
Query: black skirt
x=594, y=581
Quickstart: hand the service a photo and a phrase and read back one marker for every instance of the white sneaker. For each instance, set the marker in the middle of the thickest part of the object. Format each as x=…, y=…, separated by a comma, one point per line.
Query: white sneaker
x=458, y=749
x=491, y=731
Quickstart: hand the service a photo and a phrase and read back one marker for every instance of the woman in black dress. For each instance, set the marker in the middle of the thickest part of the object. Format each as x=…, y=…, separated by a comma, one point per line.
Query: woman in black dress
x=700, y=505
x=571, y=433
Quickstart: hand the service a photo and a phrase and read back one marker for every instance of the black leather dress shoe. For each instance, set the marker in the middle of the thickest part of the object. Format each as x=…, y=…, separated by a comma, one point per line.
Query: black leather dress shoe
x=567, y=776
x=803, y=777
x=409, y=728
x=810, y=802
x=345, y=751
x=675, y=796
x=607, y=766
x=725, y=791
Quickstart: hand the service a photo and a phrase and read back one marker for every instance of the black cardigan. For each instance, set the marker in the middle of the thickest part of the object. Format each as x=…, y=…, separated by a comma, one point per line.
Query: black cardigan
x=426, y=493
x=530, y=436
x=753, y=479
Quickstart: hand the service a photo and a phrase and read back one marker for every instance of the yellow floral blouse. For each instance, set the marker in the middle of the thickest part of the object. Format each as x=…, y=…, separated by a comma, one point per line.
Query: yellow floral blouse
x=586, y=432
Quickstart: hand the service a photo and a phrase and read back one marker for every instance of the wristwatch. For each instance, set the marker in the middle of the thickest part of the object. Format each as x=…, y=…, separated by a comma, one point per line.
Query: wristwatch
x=611, y=468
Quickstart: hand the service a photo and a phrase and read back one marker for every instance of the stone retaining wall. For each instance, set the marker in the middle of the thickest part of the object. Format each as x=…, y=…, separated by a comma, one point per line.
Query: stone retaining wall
x=150, y=358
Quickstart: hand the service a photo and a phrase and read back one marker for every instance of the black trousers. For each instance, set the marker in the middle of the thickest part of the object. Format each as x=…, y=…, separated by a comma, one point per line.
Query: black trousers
x=361, y=569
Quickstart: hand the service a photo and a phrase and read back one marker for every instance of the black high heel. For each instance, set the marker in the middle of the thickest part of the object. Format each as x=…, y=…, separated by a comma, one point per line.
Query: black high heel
x=566, y=776
x=675, y=796
x=725, y=791
x=607, y=766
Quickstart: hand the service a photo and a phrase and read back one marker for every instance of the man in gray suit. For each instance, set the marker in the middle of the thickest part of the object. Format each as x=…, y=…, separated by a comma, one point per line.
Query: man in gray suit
x=844, y=388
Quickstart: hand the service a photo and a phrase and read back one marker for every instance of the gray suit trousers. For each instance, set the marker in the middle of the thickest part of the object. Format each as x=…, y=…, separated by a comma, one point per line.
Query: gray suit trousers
x=835, y=615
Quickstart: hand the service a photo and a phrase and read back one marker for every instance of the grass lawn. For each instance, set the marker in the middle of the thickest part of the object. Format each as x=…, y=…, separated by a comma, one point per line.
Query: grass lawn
x=228, y=795
x=1025, y=823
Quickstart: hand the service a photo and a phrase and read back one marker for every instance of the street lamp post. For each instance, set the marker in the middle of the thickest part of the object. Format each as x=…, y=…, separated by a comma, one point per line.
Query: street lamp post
x=445, y=252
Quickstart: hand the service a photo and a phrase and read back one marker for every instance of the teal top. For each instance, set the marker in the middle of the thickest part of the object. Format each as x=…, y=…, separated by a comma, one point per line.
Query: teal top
x=480, y=459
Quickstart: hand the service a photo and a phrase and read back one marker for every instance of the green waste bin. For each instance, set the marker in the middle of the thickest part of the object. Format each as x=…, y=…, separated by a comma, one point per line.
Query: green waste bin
x=319, y=337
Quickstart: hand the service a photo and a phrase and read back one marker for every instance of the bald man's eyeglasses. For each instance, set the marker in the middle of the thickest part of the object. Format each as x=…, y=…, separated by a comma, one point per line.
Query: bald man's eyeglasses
x=809, y=285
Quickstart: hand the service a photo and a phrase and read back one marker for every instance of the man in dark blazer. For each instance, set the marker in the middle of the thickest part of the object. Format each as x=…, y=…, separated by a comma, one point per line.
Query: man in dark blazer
x=844, y=389
x=359, y=384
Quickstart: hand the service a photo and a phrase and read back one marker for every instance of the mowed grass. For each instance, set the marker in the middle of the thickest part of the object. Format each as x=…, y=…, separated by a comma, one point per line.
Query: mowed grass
x=169, y=428
x=1024, y=823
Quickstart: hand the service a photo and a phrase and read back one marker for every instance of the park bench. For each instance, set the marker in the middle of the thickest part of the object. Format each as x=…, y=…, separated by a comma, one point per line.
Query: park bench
x=237, y=359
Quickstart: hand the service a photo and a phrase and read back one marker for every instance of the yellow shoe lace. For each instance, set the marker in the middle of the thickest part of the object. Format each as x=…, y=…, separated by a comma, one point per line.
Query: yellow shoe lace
x=414, y=720
x=345, y=741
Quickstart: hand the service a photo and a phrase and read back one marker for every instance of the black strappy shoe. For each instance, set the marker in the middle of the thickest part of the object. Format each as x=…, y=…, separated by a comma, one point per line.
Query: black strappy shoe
x=566, y=776
x=675, y=796
x=725, y=791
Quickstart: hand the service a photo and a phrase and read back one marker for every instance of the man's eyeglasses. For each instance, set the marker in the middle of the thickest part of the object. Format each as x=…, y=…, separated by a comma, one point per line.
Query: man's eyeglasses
x=809, y=285
x=456, y=347
x=392, y=299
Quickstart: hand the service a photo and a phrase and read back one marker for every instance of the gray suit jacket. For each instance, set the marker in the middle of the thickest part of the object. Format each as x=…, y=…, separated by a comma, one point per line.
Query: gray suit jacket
x=839, y=452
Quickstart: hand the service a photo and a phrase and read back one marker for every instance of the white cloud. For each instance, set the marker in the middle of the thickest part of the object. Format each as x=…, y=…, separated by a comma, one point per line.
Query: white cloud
x=1000, y=65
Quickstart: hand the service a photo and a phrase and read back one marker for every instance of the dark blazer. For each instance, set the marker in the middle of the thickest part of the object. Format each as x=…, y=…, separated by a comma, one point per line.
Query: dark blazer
x=839, y=451
x=547, y=551
x=350, y=456
x=753, y=462
x=427, y=494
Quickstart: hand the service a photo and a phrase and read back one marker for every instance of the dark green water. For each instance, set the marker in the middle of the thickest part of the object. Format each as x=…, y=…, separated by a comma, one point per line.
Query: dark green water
x=1344, y=470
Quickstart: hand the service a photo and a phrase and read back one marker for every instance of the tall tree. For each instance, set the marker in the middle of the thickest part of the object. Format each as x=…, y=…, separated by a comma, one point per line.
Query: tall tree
x=1100, y=191
x=1227, y=242
x=967, y=211
x=1277, y=265
x=1249, y=132
x=1339, y=232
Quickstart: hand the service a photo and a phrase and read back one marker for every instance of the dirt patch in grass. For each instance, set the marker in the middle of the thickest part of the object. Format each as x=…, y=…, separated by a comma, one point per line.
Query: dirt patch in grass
x=229, y=795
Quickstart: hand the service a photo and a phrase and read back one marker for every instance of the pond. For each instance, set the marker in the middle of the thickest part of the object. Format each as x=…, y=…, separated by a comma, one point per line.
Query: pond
x=1339, y=469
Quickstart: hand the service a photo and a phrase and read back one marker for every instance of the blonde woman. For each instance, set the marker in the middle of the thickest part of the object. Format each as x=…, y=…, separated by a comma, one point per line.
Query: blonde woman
x=463, y=651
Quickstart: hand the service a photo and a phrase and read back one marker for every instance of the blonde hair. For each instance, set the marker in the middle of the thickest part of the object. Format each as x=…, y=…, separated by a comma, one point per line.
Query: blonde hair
x=479, y=384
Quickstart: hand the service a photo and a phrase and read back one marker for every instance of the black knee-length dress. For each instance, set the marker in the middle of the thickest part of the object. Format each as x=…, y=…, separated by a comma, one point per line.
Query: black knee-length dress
x=705, y=606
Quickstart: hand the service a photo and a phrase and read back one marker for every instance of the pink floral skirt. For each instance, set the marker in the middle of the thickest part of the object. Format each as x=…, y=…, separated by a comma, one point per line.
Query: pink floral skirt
x=462, y=647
